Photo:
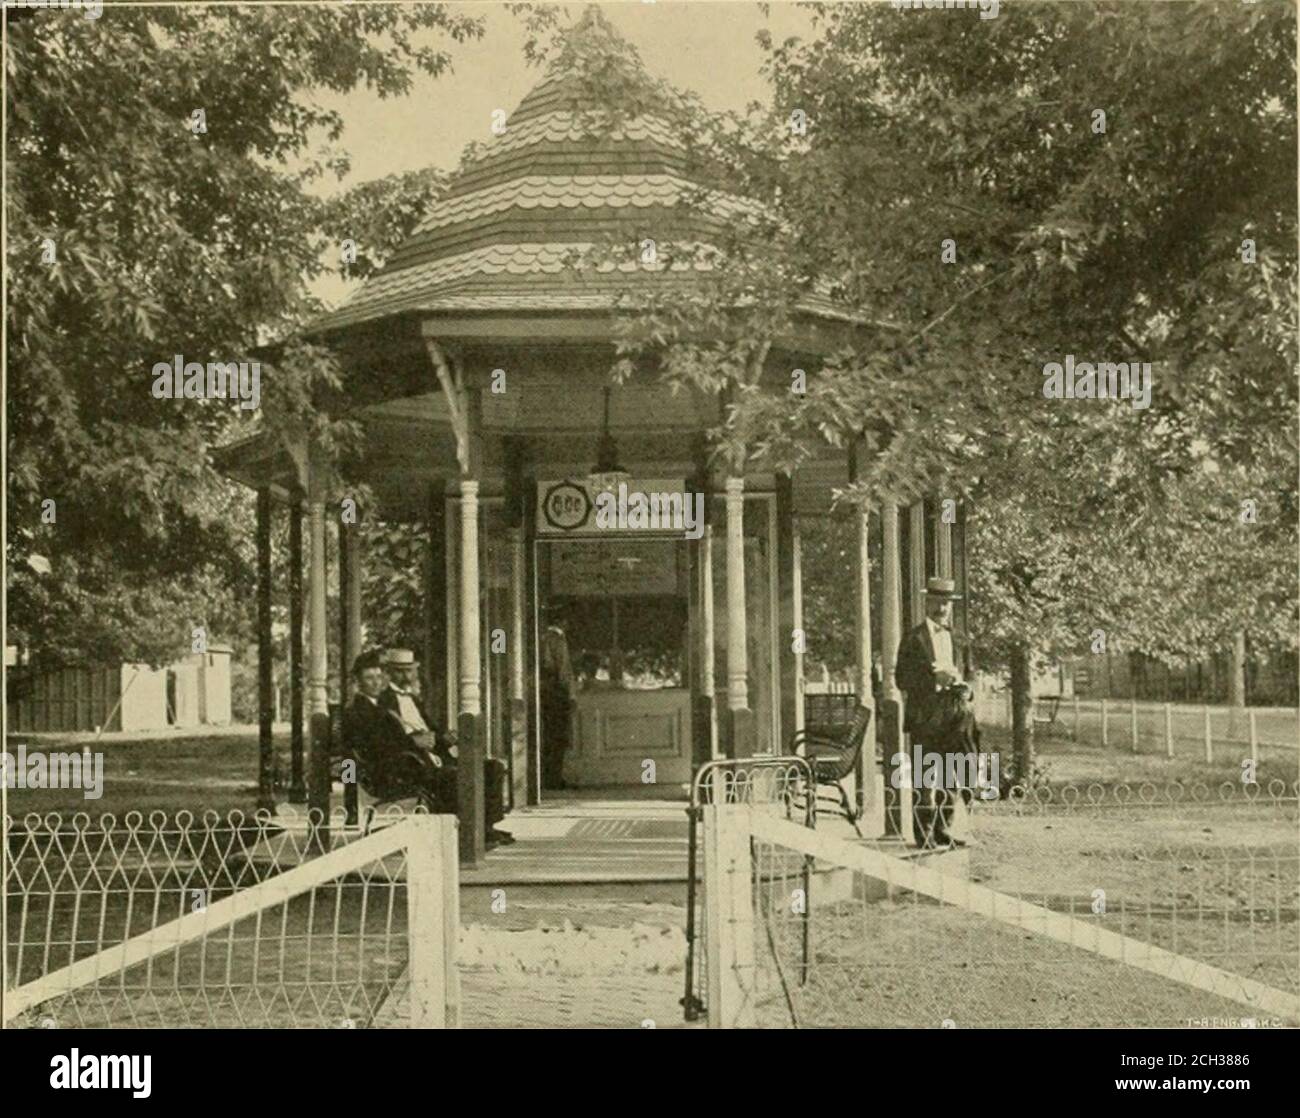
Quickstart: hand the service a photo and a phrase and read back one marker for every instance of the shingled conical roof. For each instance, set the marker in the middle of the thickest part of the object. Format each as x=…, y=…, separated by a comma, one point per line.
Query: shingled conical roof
x=566, y=174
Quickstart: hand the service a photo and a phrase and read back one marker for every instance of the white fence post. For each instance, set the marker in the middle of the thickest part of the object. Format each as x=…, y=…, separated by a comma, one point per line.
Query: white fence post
x=729, y=915
x=1133, y=721
x=1076, y=717
x=1105, y=736
x=1254, y=739
x=449, y=838
x=433, y=923
x=1209, y=742
x=1169, y=729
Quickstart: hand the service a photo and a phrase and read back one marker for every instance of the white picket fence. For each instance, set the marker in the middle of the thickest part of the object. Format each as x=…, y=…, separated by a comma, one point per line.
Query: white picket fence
x=1203, y=732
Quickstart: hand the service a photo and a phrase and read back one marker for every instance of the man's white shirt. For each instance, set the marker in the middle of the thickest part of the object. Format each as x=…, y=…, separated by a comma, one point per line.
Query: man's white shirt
x=409, y=712
x=941, y=642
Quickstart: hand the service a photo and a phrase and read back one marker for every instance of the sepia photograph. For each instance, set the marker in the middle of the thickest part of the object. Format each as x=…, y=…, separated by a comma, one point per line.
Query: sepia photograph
x=652, y=514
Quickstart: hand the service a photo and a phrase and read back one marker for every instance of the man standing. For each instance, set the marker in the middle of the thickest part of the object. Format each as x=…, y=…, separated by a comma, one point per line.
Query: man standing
x=556, y=673
x=927, y=672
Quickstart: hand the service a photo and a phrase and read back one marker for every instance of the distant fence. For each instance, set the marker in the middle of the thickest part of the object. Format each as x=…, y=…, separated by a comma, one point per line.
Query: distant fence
x=1206, y=733
x=194, y=691
x=236, y=922
x=1091, y=906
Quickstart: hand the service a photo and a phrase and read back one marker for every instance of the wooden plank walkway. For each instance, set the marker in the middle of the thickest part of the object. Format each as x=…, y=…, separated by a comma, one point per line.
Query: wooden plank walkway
x=589, y=839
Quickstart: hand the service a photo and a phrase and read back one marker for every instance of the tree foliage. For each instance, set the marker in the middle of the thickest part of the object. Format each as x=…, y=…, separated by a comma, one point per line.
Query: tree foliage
x=1094, y=171
x=167, y=239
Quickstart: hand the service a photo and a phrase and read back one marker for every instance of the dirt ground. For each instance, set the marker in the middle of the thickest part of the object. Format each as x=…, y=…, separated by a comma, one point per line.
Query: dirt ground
x=907, y=965
x=1213, y=875
x=1218, y=883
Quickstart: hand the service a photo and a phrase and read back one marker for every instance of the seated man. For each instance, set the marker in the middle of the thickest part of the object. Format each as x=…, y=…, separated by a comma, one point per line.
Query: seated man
x=400, y=755
x=402, y=698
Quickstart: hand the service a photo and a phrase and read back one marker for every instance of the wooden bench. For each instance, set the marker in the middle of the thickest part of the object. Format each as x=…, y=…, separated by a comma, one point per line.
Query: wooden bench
x=833, y=758
x=828, y=715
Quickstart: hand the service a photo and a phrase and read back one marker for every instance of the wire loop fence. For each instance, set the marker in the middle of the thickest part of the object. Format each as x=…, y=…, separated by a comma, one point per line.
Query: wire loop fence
x=781, y=783
x=227, y=922
x=1094, y=906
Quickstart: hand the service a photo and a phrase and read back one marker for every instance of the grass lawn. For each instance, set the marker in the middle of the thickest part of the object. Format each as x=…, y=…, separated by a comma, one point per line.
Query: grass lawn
x=218, y=771
x=159, y=773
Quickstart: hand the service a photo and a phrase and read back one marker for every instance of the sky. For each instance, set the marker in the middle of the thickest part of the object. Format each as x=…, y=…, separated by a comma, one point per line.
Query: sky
x=702, y=45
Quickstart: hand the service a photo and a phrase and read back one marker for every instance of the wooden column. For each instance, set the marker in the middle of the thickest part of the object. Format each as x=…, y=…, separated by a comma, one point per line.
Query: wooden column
x=351, y=544
x=345, y=563
x=350, y=634
x=297, y=783
x=469, y=781
x=789, y=658
x=265, y=736
x=704, y=728
x=796, y=551
x=318, y=774
x=451, y=612
x=464, y=406
x=435, y=604
x=870, y=785
x=862, y=607
x=708, y=716
x=916, y=563
x=533, y=729
x=960, y=575
x=898, y=816
x=942, y=542
x=516, y=701
x=869, y=792
x=740, y=719
x=518, y=720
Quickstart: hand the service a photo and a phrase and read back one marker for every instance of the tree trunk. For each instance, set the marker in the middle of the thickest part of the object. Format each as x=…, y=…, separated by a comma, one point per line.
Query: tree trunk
x=1022, y=726
x=1237, y=680
x=1237, y=683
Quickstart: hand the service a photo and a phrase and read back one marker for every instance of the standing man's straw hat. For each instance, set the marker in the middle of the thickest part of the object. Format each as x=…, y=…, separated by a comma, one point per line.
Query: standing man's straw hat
x=942, y=588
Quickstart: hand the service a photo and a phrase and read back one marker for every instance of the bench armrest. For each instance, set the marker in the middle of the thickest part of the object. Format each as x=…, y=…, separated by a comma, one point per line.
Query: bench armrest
x=803, y=739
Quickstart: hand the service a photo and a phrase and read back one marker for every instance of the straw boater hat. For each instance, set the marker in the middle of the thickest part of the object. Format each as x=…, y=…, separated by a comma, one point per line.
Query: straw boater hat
x=942, y=588
x=398, y=657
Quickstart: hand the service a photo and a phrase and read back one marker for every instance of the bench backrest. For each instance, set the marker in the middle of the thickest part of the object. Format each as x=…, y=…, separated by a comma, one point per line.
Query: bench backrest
x=850, y=747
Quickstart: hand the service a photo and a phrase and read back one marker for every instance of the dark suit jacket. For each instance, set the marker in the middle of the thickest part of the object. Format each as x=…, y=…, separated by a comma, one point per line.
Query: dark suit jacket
x=375, y=736
x=914, y=671
x=388, y=700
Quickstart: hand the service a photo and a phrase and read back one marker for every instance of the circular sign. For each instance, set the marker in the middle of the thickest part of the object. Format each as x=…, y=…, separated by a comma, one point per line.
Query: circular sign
x=566, y=506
